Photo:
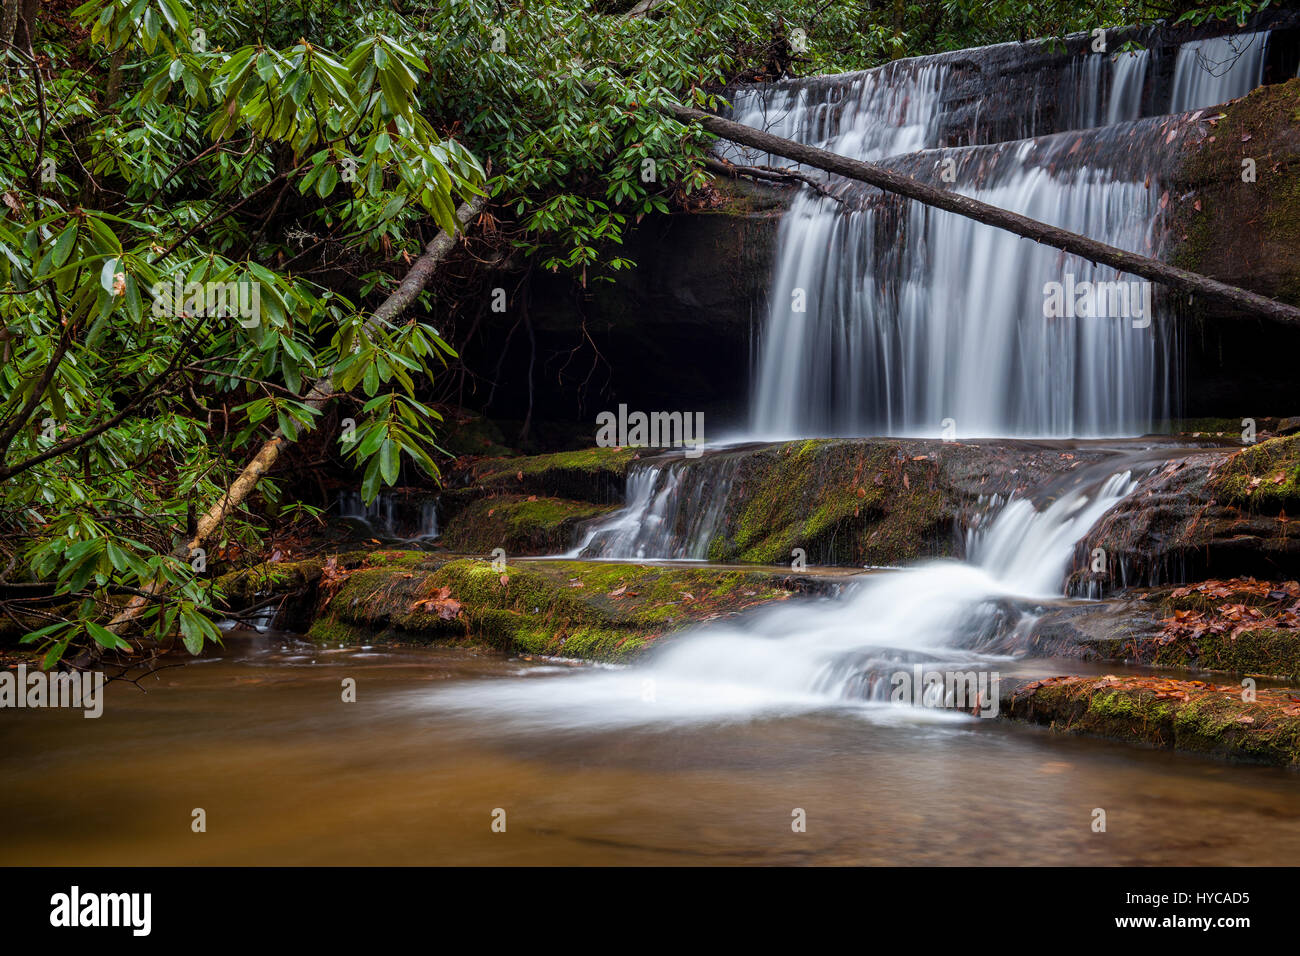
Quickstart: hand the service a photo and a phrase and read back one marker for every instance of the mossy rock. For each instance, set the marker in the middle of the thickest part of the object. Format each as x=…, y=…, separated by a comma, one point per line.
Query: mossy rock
x=594, y=611
x=1180, y=715
x=1262, y=478
x=520, y=525
x=1212, y=238
x=1263, y=652
x=596, y=475
x=842, y=502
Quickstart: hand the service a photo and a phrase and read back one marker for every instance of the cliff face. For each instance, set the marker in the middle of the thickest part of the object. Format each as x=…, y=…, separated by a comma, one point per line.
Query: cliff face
x=1238, y=219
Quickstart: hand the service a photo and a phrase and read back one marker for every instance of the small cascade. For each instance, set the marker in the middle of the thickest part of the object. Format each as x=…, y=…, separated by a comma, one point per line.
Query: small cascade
x=672, y=512
x=388, y=517
x=1107, y=89
x=1210, y=72
x=812, y=655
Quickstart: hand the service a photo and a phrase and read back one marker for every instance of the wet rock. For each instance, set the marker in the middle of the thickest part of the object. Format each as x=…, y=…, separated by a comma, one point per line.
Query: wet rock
x=1216, y=513
x=593, y=611
x=1181, y=715
x=520, y=525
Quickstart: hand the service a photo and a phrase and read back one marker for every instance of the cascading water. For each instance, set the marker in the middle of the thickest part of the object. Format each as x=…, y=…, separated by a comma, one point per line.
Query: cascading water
x=1210, y=72
x=671, y=512
x=912, y=321
x=894, y=341
x=920, y=322
x=812, y=655
x=385, y=518
x=1108, y=88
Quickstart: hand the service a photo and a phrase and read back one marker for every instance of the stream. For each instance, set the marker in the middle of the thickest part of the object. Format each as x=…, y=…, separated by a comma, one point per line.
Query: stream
x=257, y=735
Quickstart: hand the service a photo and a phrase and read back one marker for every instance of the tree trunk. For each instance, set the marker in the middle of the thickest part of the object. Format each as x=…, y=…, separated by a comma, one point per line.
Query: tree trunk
x=1191, y=282
x=322, y=391
x=8, y=22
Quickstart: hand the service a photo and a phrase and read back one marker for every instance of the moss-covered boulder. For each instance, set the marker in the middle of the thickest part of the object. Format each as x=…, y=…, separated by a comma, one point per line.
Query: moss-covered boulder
x=298, y=583
x=1181, y=715
x=596, y=475
x=596, y=611
x=518, y=524
x=854, y=502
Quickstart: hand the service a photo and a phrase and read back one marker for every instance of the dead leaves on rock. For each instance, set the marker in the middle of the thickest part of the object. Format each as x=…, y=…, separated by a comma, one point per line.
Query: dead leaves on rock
x=1270, y=606
x=441, y=603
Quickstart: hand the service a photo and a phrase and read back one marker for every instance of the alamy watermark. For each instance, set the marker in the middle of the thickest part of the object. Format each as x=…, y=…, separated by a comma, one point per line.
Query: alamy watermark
x=651, y=430
x=970, y=691
x=1098, y=300
x=242, y=300
x=75, y=908
x=53, y=689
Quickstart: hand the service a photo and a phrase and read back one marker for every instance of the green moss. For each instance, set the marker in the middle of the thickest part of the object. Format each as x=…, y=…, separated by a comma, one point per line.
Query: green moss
x=842, y=502
x=569, y=608
x=1271, y=652
x=1183, y=715
x=518, y=524
x=592, y=474
x=242, y=586
x=1262, y=478
x=1213, y=241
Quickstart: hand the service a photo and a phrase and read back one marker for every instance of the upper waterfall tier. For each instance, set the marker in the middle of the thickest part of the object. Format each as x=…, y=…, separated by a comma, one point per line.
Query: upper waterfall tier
x=1014, y=91
x=890, y=318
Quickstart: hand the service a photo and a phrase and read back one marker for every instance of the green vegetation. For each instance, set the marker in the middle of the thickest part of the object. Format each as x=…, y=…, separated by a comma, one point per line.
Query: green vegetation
x=202, y=202
x=559, y=608
x=520, y=525
x=1262, y=478
x=1183, y=715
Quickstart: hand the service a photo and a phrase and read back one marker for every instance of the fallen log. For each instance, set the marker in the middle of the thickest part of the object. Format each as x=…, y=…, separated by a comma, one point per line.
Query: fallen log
x=1193, y=283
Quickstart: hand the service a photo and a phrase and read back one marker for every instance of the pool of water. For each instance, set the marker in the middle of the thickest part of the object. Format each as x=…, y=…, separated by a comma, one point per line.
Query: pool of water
x=257, y=735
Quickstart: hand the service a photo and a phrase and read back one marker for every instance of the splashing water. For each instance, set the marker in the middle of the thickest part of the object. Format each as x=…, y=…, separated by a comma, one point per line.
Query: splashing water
x=809, y=655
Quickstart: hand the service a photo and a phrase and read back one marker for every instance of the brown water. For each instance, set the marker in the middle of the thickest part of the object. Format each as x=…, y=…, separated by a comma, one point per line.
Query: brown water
x=289, y=774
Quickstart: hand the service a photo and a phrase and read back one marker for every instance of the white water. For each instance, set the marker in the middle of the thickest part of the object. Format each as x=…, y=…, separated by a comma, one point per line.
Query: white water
x=1210, y=72
x=951, y=326
x=811, y=655
x=381, y=516
x=1108, y=88
x=666, y=515
x=918, y=321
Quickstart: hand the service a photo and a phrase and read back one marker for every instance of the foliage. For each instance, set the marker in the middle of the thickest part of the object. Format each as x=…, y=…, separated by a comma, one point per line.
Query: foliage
x=204, y=199
x=151, y=336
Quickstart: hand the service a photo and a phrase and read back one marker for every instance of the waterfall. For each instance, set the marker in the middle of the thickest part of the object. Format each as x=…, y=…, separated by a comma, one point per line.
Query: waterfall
x=810, y=655
x=386, y=518
x=886, y=317
x=912, y=321
x=1107, y=89
x=671, y=511
x=1210, y=72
